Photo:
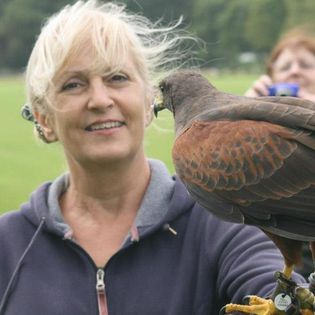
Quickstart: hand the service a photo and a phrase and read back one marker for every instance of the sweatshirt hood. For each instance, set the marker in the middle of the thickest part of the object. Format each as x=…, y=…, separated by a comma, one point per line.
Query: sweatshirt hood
x=37, y=207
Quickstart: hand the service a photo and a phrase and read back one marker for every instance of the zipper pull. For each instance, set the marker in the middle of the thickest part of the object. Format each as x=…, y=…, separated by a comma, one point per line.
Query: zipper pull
x=101, y=294
x=100, y=285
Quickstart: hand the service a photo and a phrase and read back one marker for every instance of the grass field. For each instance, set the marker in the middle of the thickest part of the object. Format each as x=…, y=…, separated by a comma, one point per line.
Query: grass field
x=25, y=162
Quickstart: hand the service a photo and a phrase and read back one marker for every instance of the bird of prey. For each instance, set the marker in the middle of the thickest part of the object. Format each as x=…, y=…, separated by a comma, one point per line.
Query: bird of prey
x=247, y=160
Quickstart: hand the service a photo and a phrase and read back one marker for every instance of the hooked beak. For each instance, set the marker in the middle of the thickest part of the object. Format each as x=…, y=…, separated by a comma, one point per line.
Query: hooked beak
x=158, y=104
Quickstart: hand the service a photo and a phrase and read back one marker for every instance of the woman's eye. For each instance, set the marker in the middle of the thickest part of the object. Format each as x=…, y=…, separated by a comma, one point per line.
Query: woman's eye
x=119, y=78
x=307, y=65
x=285, y=67
x=71, y=86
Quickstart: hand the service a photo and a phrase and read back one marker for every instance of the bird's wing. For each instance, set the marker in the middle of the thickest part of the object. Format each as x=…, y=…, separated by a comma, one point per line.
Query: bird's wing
x=289, y=112
x=287, y=100
x=251, y=172
x=233, y=157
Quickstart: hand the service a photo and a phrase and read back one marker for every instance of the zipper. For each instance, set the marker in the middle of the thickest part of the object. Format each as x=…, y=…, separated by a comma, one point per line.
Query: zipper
x=101, y=294
x=100, y=275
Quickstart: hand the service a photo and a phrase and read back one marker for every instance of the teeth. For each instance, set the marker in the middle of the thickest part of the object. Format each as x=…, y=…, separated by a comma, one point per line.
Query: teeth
x=106, y=125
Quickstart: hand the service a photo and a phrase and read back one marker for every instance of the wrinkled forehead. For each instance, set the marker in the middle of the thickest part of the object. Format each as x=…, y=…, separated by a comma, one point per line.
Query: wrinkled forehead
x=98, y=55
x=291, y=55
x=106, y=38
x=91, y=60
x=295, y=53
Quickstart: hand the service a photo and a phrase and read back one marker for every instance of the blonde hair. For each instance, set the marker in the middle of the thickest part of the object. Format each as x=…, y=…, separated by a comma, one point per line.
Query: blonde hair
x=112, y=33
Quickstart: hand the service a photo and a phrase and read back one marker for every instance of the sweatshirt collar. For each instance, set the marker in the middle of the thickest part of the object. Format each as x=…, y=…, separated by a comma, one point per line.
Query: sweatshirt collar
x=153, y=208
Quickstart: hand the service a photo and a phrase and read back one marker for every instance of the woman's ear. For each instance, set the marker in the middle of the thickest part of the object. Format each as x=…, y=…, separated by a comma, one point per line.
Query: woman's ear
x=44, y=127
x=149, y=110
x=148, y=115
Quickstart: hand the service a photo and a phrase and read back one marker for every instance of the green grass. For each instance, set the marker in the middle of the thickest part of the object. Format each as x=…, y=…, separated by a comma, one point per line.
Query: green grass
x=25, y=162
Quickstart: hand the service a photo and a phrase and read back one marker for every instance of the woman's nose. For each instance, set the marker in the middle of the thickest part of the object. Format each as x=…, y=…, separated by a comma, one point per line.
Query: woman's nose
x=100, y=95
x=295, y=68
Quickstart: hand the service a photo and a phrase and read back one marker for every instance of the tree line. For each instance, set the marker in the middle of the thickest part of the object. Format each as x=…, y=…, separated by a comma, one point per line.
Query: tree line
x=227, y=27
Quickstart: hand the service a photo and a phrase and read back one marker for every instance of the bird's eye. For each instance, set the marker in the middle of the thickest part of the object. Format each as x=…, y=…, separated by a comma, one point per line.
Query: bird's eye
x=162, y=88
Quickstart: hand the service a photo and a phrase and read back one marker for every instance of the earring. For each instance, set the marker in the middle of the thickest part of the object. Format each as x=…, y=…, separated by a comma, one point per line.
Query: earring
x=40, y=131
x=28, y=115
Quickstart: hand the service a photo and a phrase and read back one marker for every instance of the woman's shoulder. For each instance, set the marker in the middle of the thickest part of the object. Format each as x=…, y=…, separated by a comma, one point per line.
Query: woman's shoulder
x=15, y=226
x=8, y=217
x=11, y=220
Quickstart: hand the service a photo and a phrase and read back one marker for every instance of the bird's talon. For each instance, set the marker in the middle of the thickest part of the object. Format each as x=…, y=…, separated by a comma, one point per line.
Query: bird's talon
x=222, y=310
x=246, y=299
x=256, y=306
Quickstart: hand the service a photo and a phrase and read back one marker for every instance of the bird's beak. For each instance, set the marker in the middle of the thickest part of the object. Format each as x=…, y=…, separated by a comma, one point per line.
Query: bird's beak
x=158, y=104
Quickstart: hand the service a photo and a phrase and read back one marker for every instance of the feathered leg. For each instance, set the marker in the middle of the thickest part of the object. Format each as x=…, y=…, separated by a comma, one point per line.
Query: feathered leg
x=290, y=250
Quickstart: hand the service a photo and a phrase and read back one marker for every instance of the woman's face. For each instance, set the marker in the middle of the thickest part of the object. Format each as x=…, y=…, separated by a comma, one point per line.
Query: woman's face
x=99, y=117
x=296, y=66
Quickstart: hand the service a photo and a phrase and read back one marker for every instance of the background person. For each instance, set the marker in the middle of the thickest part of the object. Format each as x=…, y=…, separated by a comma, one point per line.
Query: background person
x=292, y=60
x=116, y=234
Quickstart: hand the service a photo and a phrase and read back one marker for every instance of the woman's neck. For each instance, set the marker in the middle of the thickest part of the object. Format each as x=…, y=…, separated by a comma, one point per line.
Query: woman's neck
x=101, y=206
x=108, y=190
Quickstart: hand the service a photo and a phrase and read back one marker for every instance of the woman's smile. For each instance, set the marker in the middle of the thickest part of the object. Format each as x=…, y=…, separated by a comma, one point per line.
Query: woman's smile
x=104, y=125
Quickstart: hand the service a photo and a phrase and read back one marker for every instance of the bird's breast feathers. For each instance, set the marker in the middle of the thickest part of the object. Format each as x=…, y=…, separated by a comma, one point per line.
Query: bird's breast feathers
x=229, y=155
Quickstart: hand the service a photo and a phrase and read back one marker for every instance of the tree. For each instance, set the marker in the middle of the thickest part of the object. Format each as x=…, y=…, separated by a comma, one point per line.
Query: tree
x=20, y=22
x=265, y=22
x=205, y=23
x=161, y=9
x=300, y=12
x=233, y=42
x=227, y=27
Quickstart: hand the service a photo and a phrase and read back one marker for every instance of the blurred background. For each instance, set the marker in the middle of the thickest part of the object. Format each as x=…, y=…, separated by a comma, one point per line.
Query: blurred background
x=236, y=33
x=237, y=37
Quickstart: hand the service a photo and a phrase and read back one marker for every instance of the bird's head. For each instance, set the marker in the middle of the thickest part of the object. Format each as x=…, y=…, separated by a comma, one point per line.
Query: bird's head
x=163, y=97
x=177, y=88
x=182, y=93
